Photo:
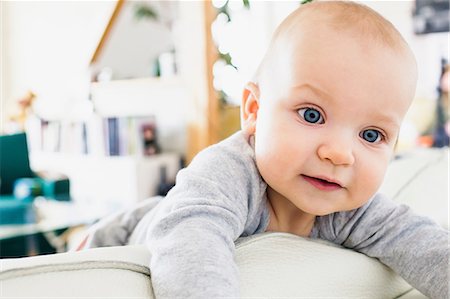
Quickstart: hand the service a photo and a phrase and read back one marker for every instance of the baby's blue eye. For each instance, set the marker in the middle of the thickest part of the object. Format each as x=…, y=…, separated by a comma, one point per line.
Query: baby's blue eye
x=371, y=135
x=311, y=115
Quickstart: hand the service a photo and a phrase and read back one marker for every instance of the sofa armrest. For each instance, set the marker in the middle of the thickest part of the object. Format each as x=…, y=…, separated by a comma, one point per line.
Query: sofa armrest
x=285, y=265
x=419, y=179
x=271, y=265
x=110, y=272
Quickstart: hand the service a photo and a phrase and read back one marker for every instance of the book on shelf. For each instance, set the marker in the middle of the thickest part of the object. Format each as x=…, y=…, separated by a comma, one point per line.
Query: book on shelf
x=112, y=136
x=51, y=134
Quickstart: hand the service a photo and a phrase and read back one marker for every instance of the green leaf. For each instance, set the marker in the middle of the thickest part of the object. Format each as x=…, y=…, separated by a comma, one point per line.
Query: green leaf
x=227, y=58
x=145, y=12
x=224, y=10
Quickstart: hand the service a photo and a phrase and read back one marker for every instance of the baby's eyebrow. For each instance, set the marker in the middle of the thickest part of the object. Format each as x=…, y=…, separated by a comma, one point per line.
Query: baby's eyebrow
x=321, y=93
x=386, y=120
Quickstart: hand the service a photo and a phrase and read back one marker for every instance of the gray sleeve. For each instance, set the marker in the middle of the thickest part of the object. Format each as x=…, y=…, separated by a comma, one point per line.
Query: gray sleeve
x=116, y=229
x=413, y=246
x=191, y=234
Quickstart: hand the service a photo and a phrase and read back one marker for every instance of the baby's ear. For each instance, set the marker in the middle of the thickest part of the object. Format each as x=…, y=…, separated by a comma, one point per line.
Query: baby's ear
x=249, y=108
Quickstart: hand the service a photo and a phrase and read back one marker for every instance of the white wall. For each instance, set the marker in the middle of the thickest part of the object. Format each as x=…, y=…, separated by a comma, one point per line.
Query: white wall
x=47, y=46
x=4, y=63
x=134, y=45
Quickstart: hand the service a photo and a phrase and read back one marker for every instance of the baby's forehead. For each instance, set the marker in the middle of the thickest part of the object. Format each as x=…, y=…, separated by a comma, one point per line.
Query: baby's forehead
x=332, y=20
x=342, y=16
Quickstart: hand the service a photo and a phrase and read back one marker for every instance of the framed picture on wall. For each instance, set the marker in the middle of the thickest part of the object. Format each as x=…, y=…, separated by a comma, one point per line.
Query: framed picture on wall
x=431, y=16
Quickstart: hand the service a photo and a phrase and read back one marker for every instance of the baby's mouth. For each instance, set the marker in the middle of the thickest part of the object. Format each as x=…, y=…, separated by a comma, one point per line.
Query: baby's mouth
x=322, y=183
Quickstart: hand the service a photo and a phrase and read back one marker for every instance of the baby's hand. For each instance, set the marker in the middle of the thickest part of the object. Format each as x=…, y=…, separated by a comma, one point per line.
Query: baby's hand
x=82, y=244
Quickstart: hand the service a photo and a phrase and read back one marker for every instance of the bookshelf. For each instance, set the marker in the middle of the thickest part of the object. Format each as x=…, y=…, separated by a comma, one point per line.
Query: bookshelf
x=103, y=153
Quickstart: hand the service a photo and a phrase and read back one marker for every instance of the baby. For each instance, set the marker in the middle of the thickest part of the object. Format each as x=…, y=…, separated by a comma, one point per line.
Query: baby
x=319, y=124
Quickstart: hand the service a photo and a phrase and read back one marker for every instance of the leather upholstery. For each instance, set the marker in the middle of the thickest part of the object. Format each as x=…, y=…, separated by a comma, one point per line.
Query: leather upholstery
x=271, y=265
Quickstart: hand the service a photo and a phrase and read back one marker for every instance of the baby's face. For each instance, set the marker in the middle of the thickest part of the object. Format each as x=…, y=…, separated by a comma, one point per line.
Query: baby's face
x=327, y=121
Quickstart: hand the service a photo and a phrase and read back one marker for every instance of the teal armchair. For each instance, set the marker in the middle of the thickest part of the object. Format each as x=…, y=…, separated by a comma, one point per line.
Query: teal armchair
x=19, y=185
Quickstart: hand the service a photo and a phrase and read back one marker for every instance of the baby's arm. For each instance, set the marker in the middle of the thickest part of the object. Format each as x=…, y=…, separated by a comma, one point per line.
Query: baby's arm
x=116, y=229
x=413, y=246
x=191, y=233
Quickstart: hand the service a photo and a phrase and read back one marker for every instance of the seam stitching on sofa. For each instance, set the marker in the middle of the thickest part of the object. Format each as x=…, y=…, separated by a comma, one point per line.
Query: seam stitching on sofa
x=256, y=238
x=416, y=175
x=405, y=293
x=86, y=265
x=285, y=236
x=268, y=235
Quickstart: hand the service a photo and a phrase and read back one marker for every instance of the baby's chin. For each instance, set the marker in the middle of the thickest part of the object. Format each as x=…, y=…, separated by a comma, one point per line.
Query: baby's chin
x=327, y=210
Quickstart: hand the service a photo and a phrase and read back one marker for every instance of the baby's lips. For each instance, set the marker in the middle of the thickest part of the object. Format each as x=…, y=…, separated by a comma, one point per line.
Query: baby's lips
x=327, y=179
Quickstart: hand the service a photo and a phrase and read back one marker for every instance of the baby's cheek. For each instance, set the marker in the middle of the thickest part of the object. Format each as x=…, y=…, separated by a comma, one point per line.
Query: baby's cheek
x=268, y=166
x=374, y=176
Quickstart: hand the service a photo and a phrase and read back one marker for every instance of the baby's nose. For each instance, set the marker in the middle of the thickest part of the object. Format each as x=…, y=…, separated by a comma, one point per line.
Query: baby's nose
x=338, y=152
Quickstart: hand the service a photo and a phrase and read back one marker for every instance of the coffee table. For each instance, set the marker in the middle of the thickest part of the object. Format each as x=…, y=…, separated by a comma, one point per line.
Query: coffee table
x=56, y=220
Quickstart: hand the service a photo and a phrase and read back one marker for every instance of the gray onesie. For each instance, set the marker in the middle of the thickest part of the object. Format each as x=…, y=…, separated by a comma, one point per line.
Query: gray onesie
x=220, y=197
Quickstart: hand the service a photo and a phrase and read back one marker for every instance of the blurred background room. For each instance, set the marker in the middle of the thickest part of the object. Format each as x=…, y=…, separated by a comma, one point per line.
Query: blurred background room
x=102, y=102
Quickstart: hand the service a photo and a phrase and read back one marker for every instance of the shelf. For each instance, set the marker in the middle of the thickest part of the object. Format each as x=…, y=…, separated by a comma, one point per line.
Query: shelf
x=121, y=180
x=141, y=97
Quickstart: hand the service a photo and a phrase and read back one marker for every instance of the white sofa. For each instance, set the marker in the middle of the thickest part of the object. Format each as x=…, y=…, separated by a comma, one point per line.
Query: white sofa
x=271, y=264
